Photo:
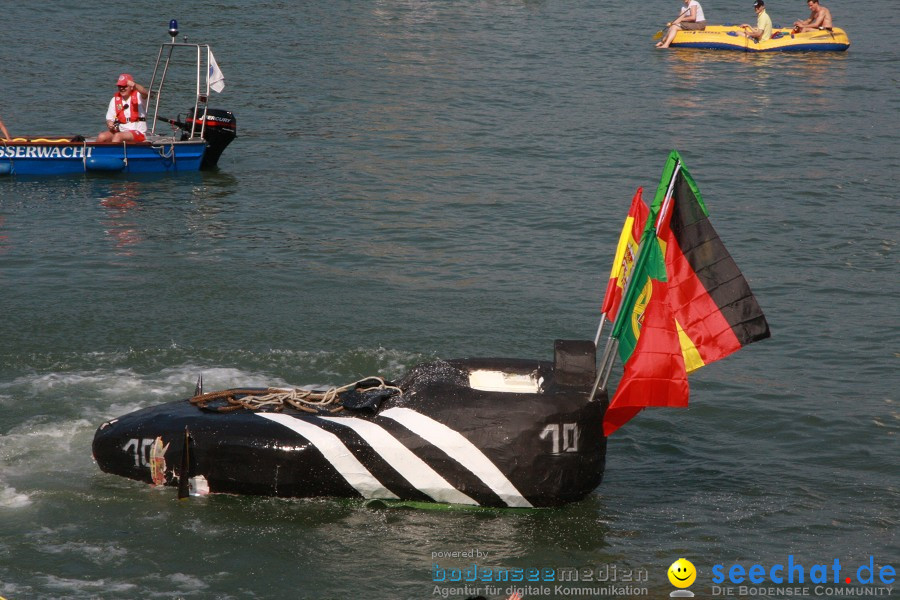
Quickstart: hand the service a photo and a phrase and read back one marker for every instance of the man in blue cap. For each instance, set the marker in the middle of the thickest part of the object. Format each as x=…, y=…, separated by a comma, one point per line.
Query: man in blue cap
x=763, y=29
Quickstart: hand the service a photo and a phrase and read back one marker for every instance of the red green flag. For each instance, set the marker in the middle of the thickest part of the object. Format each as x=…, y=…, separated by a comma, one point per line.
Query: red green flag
x=648, y=343
x=687, y=303
x=626, y=252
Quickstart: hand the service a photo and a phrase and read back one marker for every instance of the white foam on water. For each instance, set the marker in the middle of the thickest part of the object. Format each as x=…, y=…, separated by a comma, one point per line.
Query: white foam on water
x=88, y=585
x=187, y=583
x=11, y=590
x=102, y=394
x=180, y=584
x=110, y=383
x=104, y=384
x=217, y=378
x=102, y=553
x=11, y=499
x=37, y=445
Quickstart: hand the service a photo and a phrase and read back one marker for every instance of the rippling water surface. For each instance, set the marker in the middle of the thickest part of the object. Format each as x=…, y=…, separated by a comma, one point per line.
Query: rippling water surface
x=416, y=180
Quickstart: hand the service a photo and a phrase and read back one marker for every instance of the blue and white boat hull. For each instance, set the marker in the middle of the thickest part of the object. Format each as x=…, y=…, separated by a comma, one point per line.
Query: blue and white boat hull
x=67, y=157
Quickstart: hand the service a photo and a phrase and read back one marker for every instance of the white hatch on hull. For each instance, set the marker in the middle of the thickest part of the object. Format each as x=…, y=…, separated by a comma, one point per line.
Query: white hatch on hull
x=500, y=381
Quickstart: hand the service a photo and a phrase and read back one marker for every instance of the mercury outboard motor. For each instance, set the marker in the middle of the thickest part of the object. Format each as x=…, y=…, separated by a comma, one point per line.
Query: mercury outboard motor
x=221, y=129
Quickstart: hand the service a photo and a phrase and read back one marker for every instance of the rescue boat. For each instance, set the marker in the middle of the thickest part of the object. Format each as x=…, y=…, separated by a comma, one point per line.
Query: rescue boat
x=728, y=37
x=486, y=432
x=193, y=141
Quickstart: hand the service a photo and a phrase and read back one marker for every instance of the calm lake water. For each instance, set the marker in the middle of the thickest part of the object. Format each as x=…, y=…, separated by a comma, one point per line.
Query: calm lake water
x=430, y=179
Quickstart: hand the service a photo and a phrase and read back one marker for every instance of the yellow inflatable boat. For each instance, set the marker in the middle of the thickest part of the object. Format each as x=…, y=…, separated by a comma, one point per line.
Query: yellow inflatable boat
x=728, y=37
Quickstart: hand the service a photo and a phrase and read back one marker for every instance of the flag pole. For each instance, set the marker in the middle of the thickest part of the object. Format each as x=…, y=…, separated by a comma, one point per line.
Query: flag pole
x=612, y=360
x=667, y=203
x=609, y=358
x=599, y=329
x=600, y=380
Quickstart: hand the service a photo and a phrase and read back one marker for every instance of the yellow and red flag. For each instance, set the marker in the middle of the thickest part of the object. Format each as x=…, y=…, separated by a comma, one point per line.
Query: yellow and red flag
x=626, y=253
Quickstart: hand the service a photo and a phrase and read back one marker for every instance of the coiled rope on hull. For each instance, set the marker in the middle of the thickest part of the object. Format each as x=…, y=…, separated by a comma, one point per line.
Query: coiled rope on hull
x=276, y=399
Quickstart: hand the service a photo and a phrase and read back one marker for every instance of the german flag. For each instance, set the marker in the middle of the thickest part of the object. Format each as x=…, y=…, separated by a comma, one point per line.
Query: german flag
x=626, y=252
x=715, y=311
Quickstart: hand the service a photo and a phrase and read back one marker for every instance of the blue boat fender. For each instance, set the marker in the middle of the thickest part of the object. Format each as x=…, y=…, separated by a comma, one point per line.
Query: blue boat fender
x=104, y=163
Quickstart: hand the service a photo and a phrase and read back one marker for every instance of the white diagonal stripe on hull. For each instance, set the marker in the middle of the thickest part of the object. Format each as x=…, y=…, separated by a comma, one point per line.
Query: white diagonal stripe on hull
x=336, y=453
x=460, y=449
x=411, y=467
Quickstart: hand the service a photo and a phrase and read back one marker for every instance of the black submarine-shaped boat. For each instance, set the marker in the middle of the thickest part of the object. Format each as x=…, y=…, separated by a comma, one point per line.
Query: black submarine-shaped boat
x=489, y=432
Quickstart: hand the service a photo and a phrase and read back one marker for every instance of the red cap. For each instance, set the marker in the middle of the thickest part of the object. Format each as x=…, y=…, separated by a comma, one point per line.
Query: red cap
x=124, y=79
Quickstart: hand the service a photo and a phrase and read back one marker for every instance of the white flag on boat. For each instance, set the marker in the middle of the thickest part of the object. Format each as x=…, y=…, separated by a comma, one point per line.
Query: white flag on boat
x=216, y=79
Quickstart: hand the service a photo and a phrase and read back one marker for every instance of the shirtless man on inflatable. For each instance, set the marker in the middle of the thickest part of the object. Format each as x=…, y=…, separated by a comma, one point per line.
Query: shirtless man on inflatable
x=819, y=18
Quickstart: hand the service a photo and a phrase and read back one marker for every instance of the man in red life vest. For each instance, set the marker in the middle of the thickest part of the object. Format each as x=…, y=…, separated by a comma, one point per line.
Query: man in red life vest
x=126, y=118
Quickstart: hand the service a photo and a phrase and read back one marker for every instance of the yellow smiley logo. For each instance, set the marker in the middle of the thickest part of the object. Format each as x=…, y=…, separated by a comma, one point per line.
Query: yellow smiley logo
x=682, y=573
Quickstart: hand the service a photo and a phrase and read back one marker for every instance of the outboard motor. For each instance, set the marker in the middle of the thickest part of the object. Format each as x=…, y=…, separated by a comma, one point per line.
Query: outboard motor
x=221, y=129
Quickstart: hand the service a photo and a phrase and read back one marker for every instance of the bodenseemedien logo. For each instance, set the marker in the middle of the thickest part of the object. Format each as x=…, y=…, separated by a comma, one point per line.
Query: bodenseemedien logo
x=682, y=574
